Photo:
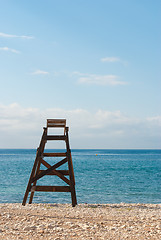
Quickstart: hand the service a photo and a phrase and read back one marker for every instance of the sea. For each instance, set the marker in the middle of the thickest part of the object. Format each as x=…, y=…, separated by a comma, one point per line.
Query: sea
x=102, y=176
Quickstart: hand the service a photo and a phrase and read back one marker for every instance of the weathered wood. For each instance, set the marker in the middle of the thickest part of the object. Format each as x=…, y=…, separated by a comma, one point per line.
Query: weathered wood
x=36, y=173
x=50, y=168
x=63, y=121
x=56, y=126
x=59, y=174
x=52, y=188
x=71, y=172
x=63, y=172
x=56, y=137
x=63, y=154
x=38, y=154
x=56, y=165
x=34, y=184
x=56, y=123
x=37, y=170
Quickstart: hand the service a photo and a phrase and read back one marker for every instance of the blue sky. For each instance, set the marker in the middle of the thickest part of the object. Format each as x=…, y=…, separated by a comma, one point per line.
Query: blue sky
x=96, y=63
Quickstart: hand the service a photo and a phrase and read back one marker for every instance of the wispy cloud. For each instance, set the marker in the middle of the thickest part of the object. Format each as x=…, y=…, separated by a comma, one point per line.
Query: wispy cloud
x=40, y=72
x=156, y=120
x=94, y=79
x=6, y=49
x=111, y=59
x=114, y=60
x=4, y=35
x=99, y=129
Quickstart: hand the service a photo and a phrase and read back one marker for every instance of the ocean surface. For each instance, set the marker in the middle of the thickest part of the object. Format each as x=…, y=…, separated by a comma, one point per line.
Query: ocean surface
x=102, y=176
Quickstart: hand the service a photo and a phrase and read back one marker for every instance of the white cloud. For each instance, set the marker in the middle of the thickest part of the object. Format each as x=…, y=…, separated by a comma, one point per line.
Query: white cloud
x=156, y=120
x=22, y=127
x=114, y=59
x=94, y=79
x=9, y=50
x=4, y=35
x=101, y=80
x=40, y=72
x=110, y=59
x=77, y=73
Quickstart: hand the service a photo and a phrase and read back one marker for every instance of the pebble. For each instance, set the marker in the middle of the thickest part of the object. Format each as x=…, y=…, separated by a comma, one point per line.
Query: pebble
x=85, y=221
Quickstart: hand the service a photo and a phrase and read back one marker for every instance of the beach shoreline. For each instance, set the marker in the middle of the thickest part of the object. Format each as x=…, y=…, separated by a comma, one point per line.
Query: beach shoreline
x=85, y=221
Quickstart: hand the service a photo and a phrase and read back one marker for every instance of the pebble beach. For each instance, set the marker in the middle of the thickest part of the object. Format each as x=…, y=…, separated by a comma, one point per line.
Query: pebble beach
x=85, y=221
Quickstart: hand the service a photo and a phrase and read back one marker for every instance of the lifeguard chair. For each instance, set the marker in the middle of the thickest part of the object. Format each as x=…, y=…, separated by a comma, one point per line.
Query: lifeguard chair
x=37, y=173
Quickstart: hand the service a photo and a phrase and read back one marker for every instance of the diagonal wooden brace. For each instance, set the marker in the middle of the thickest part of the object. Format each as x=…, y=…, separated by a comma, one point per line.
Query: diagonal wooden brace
x=59, y=174
x=45, y=172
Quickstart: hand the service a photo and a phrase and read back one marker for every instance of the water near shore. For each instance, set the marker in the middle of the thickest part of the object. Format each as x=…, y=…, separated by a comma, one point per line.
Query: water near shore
x=102, y=176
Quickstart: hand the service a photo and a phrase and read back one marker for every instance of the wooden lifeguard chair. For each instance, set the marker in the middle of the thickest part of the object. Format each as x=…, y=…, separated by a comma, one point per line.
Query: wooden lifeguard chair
x=37, y=173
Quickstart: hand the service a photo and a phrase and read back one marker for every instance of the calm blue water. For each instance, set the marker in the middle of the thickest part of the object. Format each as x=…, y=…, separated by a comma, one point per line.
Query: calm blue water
x=102, y=176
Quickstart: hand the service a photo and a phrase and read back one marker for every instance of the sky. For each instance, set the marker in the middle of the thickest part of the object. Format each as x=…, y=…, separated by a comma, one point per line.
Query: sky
x=95, y=63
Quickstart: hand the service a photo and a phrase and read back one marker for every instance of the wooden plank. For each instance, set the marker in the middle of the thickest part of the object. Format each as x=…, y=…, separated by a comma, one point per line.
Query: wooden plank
x=55, y=154
x=56, y=165
x=38, y=154
x=34, y=184
x=51, y=170
x=71, y=171
x=59, y=174
x=56, y=125
x=52, y=188
x=64, y=172
x=45, y=172
x=56, y=121
x=56, y=137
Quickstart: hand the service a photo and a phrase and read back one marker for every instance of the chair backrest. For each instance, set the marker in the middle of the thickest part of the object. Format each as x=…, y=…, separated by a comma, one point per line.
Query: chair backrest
x=56, y=123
